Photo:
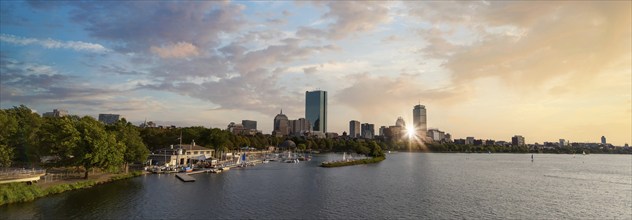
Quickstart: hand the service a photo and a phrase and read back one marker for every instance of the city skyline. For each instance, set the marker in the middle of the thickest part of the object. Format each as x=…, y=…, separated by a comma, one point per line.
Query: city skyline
x=544, y=70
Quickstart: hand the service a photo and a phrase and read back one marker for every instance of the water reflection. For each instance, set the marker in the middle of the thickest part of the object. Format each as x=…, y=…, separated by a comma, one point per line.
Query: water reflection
x=406, y=185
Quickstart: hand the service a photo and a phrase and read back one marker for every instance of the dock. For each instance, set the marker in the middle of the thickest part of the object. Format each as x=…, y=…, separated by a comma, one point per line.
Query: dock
x=185, y=178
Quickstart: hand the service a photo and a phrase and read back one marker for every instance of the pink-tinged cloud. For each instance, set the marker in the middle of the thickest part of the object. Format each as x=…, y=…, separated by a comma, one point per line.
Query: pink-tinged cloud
x=177, y=50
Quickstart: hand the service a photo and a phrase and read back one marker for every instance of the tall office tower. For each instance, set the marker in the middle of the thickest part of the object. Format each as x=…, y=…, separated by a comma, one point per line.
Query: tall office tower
x=368, y=130
x=603, y=139
x=316, y=110
x=354, y=129
x=419, y=120
x=108, y=118
x=249, y=124
x=281, y=125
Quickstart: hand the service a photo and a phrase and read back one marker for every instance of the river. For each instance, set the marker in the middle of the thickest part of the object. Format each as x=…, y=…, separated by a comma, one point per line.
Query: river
x=405, y=185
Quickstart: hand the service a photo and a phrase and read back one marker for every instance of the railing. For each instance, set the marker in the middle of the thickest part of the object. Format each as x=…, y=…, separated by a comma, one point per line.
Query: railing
x=16, y=173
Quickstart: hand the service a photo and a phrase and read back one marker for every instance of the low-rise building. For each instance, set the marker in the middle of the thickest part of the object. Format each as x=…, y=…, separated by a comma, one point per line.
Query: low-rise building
x=181, y=155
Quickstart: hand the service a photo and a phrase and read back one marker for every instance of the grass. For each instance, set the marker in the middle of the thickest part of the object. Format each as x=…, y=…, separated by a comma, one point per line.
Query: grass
x=21, y=192
x=353, y=162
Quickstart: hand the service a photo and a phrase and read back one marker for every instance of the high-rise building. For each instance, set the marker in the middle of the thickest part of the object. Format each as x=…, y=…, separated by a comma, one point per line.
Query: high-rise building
x=281, y=125
x=354, y=129
x=249, y=124
x=56, y=113
x=368, y=130
x=299, y=127
x=517, y=140
x=316, y=110
x=382, y=128
x=419, y=120
x=109, y=118
x=603, y=139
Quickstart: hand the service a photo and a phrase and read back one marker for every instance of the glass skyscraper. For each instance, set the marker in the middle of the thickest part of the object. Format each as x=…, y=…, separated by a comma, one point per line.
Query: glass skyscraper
x=316, y=110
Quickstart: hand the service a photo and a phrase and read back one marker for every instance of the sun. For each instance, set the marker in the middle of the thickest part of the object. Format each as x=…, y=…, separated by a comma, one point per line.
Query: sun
x=410, y=131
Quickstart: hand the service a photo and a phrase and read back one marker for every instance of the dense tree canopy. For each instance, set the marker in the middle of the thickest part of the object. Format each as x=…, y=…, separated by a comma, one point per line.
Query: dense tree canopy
x=134, y=150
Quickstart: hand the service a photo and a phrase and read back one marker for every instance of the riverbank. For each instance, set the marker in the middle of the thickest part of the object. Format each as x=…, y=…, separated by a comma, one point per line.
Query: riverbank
x=353, y=162
x=21, y=192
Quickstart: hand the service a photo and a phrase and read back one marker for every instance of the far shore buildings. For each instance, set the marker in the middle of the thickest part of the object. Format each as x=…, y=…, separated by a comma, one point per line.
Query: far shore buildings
x=316, y=110
x=285, y=127
x=299, y=127
x=56, y=113
x=420, y=123
x=517, y=140
x=109, y=118
x=249, y=124
x=281, y=125
x=354, y=129
x=368, y=131
x=247, y=127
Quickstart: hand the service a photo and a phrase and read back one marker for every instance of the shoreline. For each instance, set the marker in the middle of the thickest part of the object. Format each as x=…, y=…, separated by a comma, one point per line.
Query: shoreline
x=353, y=162
x=21, y=192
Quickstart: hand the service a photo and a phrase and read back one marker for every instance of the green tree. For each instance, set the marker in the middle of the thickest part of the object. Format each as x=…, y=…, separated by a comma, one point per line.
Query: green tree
x=25, y=138
x=59, y=137
x=302, y=147
x=376, y=150
x=97, y=148
x=8, y=129
x=6, y=155
x=135, y=150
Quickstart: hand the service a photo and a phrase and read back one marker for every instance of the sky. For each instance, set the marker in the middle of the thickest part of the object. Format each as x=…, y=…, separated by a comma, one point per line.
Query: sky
x=489, y=69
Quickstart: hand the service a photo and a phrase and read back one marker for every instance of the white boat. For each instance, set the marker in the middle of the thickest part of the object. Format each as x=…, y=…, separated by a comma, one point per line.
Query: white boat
x=265, y=161
x=289, y=158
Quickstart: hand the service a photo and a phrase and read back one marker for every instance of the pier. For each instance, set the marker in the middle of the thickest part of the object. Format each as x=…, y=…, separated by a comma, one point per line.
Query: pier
x=185, y=178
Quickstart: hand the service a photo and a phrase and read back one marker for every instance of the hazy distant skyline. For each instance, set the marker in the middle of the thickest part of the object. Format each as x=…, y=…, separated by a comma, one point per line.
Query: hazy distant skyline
x=544, y=70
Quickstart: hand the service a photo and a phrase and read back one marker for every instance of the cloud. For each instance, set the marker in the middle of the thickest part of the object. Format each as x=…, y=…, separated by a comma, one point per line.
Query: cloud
x=347, y=18
x=369, y=94
x=352, y=16
x=54, y=44
x=310, y=70
x=36, y=84
x=390, y=38
x=242, y=80
x=137, y=26
x=118, y=70
x=529, y=44
x=178, y=50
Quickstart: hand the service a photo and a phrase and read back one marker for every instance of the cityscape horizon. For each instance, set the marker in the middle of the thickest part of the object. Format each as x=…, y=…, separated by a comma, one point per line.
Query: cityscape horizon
x=348, y=131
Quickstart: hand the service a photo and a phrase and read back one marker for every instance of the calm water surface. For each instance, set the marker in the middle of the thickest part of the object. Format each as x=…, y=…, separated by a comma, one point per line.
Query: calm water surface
x=405, y=185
